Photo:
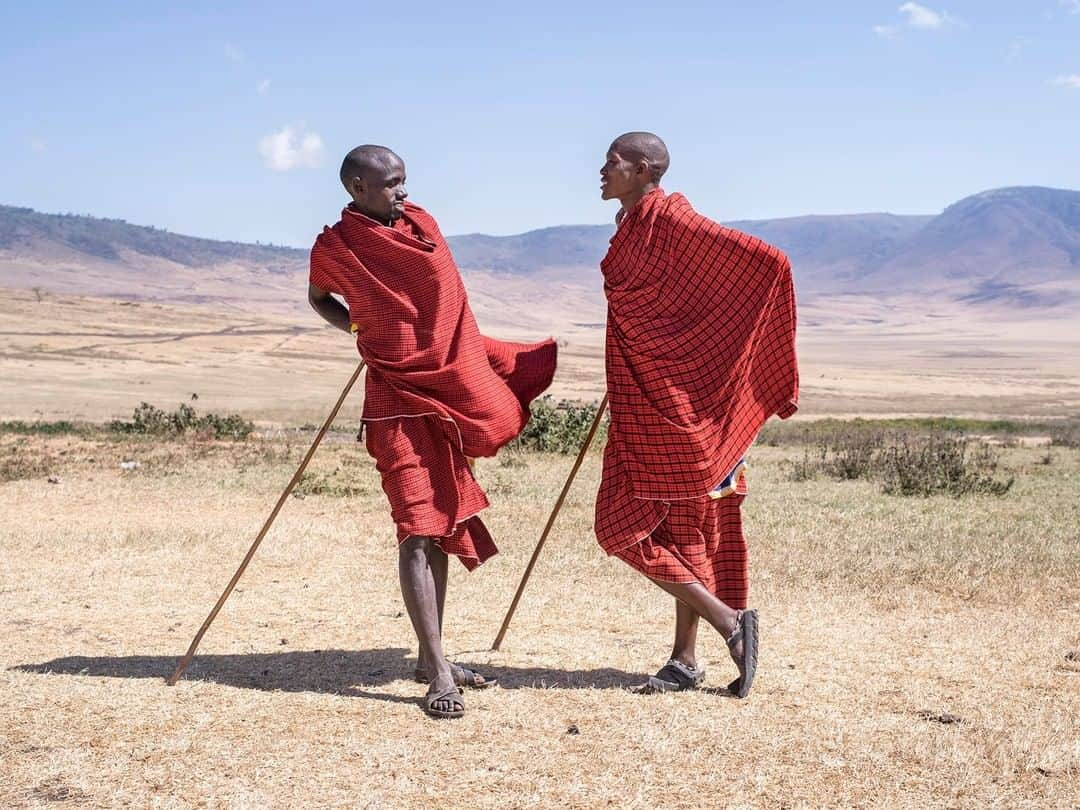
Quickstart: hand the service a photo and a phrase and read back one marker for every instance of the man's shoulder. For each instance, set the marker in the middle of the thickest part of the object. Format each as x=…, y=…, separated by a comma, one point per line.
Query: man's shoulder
x=418, y=214
x=757, y=245
x=696, y=225
x=327, y=240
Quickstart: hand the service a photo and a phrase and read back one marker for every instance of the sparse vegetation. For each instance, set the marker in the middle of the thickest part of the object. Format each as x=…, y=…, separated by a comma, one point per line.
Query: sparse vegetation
x=107, y=575
x=20, y=460
x=905, y=462
x=941, y=464
x=559, y=427
x=1065, y=431
x=150, y=420
x=58, y=428
x=347, y=479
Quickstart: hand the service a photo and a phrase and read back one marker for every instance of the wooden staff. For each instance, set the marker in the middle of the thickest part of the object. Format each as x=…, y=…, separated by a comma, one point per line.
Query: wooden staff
x=266, y=527
x=551, y=521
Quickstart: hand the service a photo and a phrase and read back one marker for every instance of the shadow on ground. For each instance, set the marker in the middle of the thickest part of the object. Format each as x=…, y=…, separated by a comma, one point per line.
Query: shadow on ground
x=335, y=672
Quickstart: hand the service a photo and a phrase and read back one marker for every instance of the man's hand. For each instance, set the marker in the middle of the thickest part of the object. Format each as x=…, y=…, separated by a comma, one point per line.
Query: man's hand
x=329, y=308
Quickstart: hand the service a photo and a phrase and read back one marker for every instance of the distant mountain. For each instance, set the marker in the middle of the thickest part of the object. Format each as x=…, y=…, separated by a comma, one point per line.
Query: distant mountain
x=827, y=250
x=1018, y=246
x=25, y=231
x=524, y=253
x=1009, y=238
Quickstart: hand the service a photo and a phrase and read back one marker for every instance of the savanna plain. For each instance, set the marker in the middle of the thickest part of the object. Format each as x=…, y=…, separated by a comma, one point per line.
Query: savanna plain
x=917, y=650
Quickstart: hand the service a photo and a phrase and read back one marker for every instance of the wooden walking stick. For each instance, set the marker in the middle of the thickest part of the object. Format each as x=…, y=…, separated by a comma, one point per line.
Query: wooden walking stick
x=266, y=527
x=551, y=521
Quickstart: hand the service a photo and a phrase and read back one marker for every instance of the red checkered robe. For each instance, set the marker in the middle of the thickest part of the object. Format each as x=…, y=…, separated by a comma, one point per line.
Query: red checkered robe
x=700, y=352
x=436, y=390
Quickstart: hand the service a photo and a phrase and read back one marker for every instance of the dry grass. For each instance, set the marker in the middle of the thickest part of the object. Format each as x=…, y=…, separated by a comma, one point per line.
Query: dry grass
x=882, y=615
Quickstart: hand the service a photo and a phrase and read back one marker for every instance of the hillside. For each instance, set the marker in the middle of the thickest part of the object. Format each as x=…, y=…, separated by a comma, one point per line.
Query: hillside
x=1010, y=246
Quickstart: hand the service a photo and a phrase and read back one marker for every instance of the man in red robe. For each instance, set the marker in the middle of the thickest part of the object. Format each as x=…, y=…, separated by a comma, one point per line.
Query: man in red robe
x=437, y=392
x=700, y=352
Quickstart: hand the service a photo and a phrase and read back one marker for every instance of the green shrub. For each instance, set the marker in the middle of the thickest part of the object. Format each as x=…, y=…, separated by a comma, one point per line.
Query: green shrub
x=558, y=427
x=60, y=428
x=906, y=463
x=941, y=464
x=150, y=420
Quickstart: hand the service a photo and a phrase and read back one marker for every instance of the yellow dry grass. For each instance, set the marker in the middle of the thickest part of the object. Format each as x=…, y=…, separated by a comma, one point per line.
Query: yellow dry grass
x=880, y=615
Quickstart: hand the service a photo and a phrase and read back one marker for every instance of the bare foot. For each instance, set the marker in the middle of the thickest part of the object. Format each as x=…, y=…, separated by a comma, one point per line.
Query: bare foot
x=443, y=699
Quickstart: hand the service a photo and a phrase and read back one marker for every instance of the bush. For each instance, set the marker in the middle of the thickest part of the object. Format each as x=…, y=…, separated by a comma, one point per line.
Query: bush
x=853, y=455
x=905, y=463
x=941, y=464
x=41, y=428
x=150, y=420
x=1066, y=434
x=558, y=428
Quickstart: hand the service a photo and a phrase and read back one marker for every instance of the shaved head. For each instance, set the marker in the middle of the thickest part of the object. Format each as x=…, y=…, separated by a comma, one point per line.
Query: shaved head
x=375, y=178
x=638, y=146
x=363, y=160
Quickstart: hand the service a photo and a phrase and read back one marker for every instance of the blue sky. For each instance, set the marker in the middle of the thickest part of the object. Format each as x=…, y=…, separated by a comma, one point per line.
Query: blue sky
x=229, y=120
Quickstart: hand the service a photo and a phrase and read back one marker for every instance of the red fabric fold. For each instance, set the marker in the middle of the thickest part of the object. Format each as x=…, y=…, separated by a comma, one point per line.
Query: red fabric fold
x=436, y=390
x=700, y=346
x=415, y=329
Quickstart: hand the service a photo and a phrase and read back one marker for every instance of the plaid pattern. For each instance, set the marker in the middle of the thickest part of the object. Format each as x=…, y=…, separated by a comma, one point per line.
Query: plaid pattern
x=700, y=352
x=700, y=540
x=436, y=390
x=414, y=327
x=430, y=486
x=700, y=345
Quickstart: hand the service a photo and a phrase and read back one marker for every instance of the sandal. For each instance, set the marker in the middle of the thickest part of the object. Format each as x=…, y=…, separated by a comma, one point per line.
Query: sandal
x=451, y=696
x=463, y=676
x=674, y=676
x=746, y=631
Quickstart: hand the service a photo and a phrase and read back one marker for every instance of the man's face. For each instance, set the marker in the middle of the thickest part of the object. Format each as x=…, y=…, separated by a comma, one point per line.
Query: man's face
x=380, y=192
x=619, y=176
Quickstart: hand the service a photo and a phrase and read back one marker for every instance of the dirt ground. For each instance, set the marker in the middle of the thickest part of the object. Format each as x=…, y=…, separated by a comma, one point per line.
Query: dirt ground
x=916, y=652
x=71, y=357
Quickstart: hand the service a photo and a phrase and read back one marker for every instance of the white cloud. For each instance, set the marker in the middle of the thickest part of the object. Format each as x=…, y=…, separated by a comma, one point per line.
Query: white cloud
x=37, y=145
x=1071, y=6
x=262, y=87
x=232, y=53
x=922, y=17
x=1072, y=81
x=290, y=148
x=917, y=17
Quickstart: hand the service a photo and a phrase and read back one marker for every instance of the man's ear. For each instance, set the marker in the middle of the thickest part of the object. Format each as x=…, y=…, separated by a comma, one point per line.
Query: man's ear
x=356, y=186
x=642, y=167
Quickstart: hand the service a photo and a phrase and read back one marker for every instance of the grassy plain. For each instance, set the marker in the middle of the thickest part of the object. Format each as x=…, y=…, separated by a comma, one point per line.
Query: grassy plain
x=917, y=652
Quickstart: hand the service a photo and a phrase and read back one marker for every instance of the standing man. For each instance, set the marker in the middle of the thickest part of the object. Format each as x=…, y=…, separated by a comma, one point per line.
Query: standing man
x=437, y=392
x=700, y=352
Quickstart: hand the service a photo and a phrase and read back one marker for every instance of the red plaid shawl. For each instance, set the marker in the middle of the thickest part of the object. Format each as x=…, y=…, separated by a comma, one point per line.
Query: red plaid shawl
x=424, y=351
x=700, y=346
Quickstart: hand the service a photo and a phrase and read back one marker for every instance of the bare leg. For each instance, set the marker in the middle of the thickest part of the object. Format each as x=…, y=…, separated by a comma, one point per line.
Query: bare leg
x=698, y=600
x=686, y=623
x=438, y=562
x=421, y=600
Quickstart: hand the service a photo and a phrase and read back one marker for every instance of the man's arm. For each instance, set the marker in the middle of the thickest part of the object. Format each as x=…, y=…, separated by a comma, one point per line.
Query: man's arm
x=329, y=308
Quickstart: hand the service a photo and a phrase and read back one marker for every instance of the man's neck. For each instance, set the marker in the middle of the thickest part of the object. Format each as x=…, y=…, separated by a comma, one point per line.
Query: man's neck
x=632, y=199
x=389, y=223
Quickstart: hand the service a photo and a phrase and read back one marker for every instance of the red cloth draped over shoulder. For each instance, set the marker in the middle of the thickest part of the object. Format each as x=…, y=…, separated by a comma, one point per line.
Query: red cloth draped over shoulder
x=700, y=346
x=424, y=351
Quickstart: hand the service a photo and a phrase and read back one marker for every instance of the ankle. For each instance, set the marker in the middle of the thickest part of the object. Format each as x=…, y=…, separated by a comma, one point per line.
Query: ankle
x=684, y=657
